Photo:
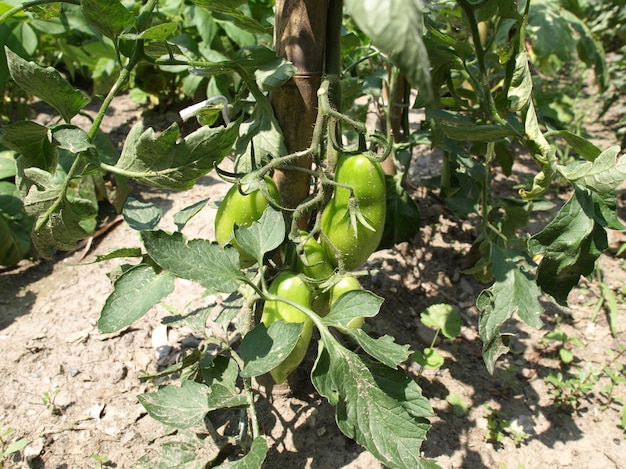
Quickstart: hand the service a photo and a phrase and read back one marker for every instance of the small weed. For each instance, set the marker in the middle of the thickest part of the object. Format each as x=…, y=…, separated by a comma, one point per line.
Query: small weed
x=100, y=459
x=48, y=401
x=499, y=427
x=445, y=319
x=563, y=346
x=7, y=448
x=459, y=406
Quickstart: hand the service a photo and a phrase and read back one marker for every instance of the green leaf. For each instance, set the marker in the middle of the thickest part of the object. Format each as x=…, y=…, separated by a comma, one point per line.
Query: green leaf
x=159, y=32
x=263, y=349
x=521, y=88
x=135, y=292
x=444, y=317
x=384, y=349
x=569, y=245
x=459, y=406
x=230, y=307
x=514, y=291
x=141, y=216
x=273, y=74
x=14, y=447
x=47, y=84
x=603, y=175
x=494, y=343
x=253, y=460
x=33, y=142
x=225, y=397
x=381, y=408
x=71, y=138
x=353, y=304
x=566, y=356
x=429, y=358
x=182, y=217
x=264, y=235
x=164, y=162
x=581, y=145
x=117, y=253
x=211, y=265
x=109, y=17
x=15, y=226
x=8, y=167
x=396, y=27
x=181, y=455
x=263, y=131
x=179, y=407
x=72, y=220
x=230, y=9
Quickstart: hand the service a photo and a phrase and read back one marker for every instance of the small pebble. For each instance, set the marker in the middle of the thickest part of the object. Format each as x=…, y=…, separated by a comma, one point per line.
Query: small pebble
x=74, y=372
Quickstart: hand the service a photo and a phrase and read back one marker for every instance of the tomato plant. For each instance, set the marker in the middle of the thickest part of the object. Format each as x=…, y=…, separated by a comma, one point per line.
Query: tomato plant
x=472, y=72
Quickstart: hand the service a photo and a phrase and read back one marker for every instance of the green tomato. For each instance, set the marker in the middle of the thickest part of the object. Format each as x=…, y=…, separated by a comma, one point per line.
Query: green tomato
x=314, y=264
x=354, y=240
x=241, y=210
x=290, y=286
x=345, y=285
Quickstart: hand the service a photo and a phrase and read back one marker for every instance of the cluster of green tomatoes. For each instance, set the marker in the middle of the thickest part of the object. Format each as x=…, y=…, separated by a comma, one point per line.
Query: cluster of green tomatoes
x=315, y=268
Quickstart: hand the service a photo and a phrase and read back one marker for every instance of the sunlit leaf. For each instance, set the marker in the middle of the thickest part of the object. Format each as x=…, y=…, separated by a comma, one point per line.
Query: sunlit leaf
x=179, y=407
x=379, y=407
x=135, y=292
x=396, y=27
x=211, y=265
x=264, y=348
x=47, y=84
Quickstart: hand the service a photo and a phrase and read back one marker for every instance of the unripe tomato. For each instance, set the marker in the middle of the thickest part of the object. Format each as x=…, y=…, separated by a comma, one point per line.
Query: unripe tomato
x=345, y=285
x=314, y=264
x=290, y=286
x=367, y=180
x=241, y=210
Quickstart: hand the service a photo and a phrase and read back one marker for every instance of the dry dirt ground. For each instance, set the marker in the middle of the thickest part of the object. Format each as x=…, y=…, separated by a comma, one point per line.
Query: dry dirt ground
x=72, y=391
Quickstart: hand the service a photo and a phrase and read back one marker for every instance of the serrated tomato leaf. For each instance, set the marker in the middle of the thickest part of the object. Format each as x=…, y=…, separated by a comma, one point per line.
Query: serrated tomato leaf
x=253, y=460
x=164, y=162
x=135, y=292
x=353, y=304
x=33, y=142
x=602, y=175
x=15, y=226
x=396, y=27
x=211, y=265
x=109, y=17
x=179, y=407
x=47, y=84
x=381, y=408
x=384, y=349
x=72, y=220
x=183, y=216
x=264, y=348
x=494, y=343
x=141, y=216
x=263, y=235
x=570, y=245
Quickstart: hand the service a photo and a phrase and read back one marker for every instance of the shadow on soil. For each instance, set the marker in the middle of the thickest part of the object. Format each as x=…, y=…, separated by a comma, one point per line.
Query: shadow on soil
x=16, y=299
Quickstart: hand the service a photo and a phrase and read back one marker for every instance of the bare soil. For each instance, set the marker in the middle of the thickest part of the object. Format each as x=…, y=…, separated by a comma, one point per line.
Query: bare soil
x=72, y=391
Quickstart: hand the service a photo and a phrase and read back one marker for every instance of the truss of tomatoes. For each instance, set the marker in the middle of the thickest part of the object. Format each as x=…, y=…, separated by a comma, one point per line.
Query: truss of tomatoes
x=352, y=225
